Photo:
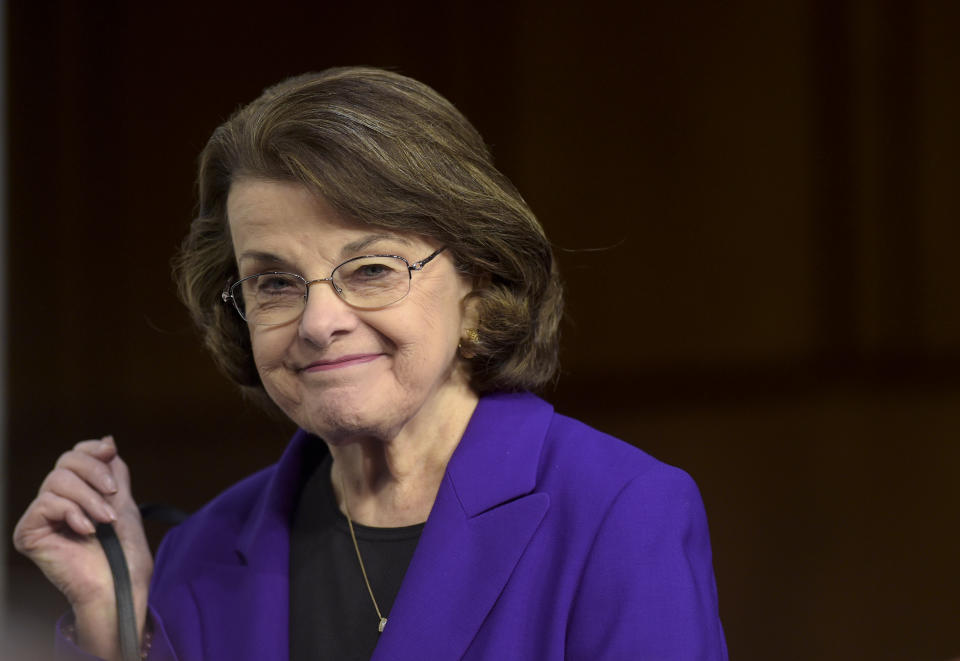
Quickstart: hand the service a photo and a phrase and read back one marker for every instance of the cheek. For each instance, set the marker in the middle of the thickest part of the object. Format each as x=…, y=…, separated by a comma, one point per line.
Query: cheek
x=268, y=355
x=435, y=323
x=269, y=349
x=426, y=339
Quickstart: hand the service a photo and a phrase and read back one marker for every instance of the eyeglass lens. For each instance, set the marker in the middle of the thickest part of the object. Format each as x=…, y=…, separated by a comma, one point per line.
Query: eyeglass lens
x=364, y=282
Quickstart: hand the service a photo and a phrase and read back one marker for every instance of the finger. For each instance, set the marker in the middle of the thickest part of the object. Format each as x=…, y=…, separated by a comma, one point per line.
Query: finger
x=120, y=471
x=69, y=485
x=104, y=448
x=49, y=511
x=94, y=471
x=78, y=521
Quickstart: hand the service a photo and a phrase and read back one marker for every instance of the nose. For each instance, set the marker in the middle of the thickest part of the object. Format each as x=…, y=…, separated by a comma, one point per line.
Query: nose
x=325, y=314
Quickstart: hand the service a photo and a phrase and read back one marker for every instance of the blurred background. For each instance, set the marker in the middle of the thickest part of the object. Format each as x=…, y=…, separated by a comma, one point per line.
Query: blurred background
x=754, y=204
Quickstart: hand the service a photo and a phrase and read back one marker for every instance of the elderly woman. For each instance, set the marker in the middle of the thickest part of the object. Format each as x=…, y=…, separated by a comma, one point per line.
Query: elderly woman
x=358, y=259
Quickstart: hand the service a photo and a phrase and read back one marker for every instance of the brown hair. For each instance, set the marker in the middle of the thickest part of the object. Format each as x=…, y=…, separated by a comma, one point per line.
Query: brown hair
x=386, y=151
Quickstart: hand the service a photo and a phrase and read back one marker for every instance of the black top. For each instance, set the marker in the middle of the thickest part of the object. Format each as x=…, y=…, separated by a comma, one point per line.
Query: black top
x=331, y=614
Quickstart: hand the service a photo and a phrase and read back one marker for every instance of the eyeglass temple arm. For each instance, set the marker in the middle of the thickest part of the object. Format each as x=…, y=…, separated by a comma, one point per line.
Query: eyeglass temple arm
x=418, y=266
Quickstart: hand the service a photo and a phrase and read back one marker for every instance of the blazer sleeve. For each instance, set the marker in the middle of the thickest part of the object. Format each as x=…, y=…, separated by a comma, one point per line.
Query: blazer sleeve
x=65, y=649
x=648, y=589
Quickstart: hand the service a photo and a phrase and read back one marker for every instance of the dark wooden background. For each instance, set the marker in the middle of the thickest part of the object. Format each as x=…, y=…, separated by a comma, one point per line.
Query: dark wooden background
x=755, y=204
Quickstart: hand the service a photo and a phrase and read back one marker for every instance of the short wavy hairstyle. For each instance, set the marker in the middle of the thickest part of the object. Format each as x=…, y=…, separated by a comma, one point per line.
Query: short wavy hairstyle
x=386, y=151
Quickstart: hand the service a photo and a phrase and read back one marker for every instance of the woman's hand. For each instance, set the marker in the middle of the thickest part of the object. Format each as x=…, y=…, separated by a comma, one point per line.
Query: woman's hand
x=90, y=484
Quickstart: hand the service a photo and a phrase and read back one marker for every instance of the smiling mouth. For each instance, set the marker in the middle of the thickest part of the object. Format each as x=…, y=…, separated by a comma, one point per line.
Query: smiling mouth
x=339, y=363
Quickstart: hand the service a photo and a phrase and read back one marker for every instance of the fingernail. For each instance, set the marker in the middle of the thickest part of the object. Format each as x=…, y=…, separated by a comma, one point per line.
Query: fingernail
x=109, y=511
x=89, y=527
x=109, y=484
x=109, y=439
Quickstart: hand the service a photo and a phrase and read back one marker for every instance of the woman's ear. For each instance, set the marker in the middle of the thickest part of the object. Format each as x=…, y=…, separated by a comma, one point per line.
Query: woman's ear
x=470, y=303
x=470, y=332
x=470, y=306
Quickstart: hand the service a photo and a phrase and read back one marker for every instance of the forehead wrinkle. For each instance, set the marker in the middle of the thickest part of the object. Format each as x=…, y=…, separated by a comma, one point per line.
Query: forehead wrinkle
x=366, y=241
x=261, y=256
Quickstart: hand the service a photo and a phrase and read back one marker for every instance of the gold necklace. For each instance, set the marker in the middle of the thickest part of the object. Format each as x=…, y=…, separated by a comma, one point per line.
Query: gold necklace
x=356, y=547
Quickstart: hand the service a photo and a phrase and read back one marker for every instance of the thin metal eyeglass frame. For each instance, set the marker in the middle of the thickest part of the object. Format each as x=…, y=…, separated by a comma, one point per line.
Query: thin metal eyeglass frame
x=228, y=292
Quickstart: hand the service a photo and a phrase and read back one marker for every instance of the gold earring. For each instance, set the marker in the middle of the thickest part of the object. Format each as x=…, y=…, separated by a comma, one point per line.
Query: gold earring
x=472, y=339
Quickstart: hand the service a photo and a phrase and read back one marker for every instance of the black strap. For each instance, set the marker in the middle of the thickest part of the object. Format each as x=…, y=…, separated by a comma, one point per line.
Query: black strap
x=126, y=616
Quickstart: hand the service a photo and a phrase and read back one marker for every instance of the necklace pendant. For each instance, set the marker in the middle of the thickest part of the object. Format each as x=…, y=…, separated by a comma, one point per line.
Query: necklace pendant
x=383, y=623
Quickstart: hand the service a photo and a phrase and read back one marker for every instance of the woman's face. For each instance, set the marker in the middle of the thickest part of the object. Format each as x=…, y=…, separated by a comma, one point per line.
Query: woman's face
x=338, y=371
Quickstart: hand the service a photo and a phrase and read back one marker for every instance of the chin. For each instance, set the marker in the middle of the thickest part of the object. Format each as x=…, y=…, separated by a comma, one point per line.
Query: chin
x=338, y=418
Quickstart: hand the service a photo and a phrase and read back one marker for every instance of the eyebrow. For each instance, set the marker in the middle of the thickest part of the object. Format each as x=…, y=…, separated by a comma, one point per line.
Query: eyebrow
x=352, y=247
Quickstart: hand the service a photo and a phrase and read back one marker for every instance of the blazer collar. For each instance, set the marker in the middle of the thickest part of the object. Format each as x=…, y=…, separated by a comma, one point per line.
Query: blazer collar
x=498, y=457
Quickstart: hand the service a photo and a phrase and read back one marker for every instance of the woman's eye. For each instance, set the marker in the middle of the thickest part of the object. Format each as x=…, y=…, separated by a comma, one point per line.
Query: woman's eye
x=277, y=284
x=373, y=270
x=367, y=271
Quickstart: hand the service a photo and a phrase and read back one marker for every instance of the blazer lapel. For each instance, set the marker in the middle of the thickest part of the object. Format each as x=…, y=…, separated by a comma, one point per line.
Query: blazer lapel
x=253, y=617
x=484, y=516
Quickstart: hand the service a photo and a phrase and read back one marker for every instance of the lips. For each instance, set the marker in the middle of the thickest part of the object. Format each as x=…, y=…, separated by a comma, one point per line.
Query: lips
x=341, y=362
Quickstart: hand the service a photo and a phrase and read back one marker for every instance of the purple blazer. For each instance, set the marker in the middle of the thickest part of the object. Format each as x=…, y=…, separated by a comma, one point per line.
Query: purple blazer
x=547, y=540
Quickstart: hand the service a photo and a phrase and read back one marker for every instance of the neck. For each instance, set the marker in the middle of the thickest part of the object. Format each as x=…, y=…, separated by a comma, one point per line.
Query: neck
x=394, y=482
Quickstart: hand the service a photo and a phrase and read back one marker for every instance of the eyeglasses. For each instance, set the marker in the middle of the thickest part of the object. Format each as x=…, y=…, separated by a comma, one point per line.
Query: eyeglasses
x=368, y=283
